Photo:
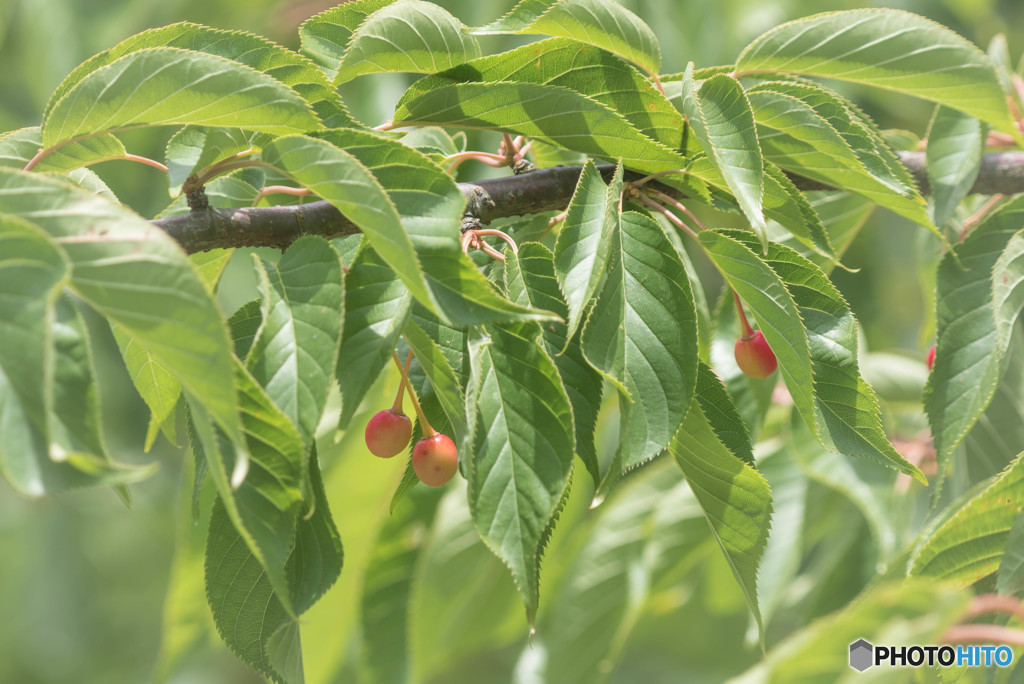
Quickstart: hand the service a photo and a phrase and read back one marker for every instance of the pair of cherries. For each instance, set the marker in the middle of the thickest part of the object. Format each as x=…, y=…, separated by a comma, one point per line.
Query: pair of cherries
x=434, y=458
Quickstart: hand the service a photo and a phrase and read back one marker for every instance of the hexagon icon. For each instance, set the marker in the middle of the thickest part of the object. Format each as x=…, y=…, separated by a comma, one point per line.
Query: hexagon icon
x=861, y=655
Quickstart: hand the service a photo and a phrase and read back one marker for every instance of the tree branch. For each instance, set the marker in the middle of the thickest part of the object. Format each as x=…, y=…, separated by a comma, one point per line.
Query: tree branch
x=529, y=193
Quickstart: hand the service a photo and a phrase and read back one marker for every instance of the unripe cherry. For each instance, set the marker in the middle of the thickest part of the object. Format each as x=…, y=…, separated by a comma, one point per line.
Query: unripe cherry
x=754, y=357
x=435, y=459
x=930, y=359
x=388, y=433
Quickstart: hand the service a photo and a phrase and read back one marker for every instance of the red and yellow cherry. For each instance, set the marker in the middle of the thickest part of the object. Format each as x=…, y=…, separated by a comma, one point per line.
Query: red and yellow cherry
x=754, y=357
x=435, y=459
x=930, y=359
x=388, y=433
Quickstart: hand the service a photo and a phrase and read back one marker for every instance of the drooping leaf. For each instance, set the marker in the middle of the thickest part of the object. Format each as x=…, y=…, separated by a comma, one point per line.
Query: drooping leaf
x=722, y=416
x=281, y=64
x=720, y=116
x=522, y=449
x=295, y=351
x=139, y=278
x=1011, y=569
x=159, y=86
x=956, y=143
x=408, y=36
x=607, y=25
x=157, y=386
x=998, y=436
x=978, y=298
x=377, y=306
x=530, y=278
x=388, y=587
x=969, y=545
x=248, y=611
x=814, y=337
x=584, y=242
x=642, y=335
x=643, y=532
x=244, y=324
x=888, y=49
x=264, y=508
x=735, y=498
x=49, y=412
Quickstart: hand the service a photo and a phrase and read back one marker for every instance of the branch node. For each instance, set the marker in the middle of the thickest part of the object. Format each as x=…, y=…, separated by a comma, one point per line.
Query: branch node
x=197, y=199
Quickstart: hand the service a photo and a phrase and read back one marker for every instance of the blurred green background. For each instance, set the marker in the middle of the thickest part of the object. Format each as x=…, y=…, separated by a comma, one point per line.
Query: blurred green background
x=83, y=580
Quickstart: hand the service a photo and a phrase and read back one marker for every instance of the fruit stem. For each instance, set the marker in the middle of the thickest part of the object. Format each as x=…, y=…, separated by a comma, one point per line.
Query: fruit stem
x=748, y=332
x=428, y=431
x=397, y=406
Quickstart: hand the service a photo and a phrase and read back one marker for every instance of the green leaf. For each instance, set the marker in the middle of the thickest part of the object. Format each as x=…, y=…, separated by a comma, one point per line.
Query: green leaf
x=579, y=67
x=244, y=324
x=521, y=457
x=431, y=207
x=388, y=586
x=645, y=530
x=138, y=278
x=248, y=611
x=607, y=25
x=444, y=385
x=956, y=143
x=338, y=177
x=157, y=386
x=642, y=335
x=814, y=336
x=998, y=436
x=916, y=611
x=530, y=278
x=210, y=265
x=969, y=545
x=295, y=351
x=17, y=149
x=194, y=148
x=552, y=114
x=281, y=64
x=1010, y=579
x=734, y=496
x=461, y=601
x=721, y=414
x=792, y=210
x=977, y=301
x=888, y=49
x=265, y=506
x=159, y=86
x=377, y=306
x=807, y=131
x=720, y=116
x=410, y=36
x=584, y=241
x=49, y=411
x=325, y=36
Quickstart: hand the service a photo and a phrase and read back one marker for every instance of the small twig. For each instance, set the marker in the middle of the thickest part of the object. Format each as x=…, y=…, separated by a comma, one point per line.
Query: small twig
x=646, y=179
x=280, y=190
x=977, y=217
x=455, y=160
x=983, y=634
x=386, y=126
x=145, y=160
x=678, y=222
x=673, y=202
x=994, y=603
x=497, y=233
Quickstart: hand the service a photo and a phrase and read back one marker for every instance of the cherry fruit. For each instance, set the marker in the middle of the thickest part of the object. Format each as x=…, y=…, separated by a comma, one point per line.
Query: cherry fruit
x=930, y=359
x=388, y=433
x=754, y=357
x=435, y=459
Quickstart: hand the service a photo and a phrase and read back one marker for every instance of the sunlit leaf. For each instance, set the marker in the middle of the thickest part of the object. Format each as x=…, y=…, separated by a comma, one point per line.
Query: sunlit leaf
x=956, y=143
x=888, y=49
